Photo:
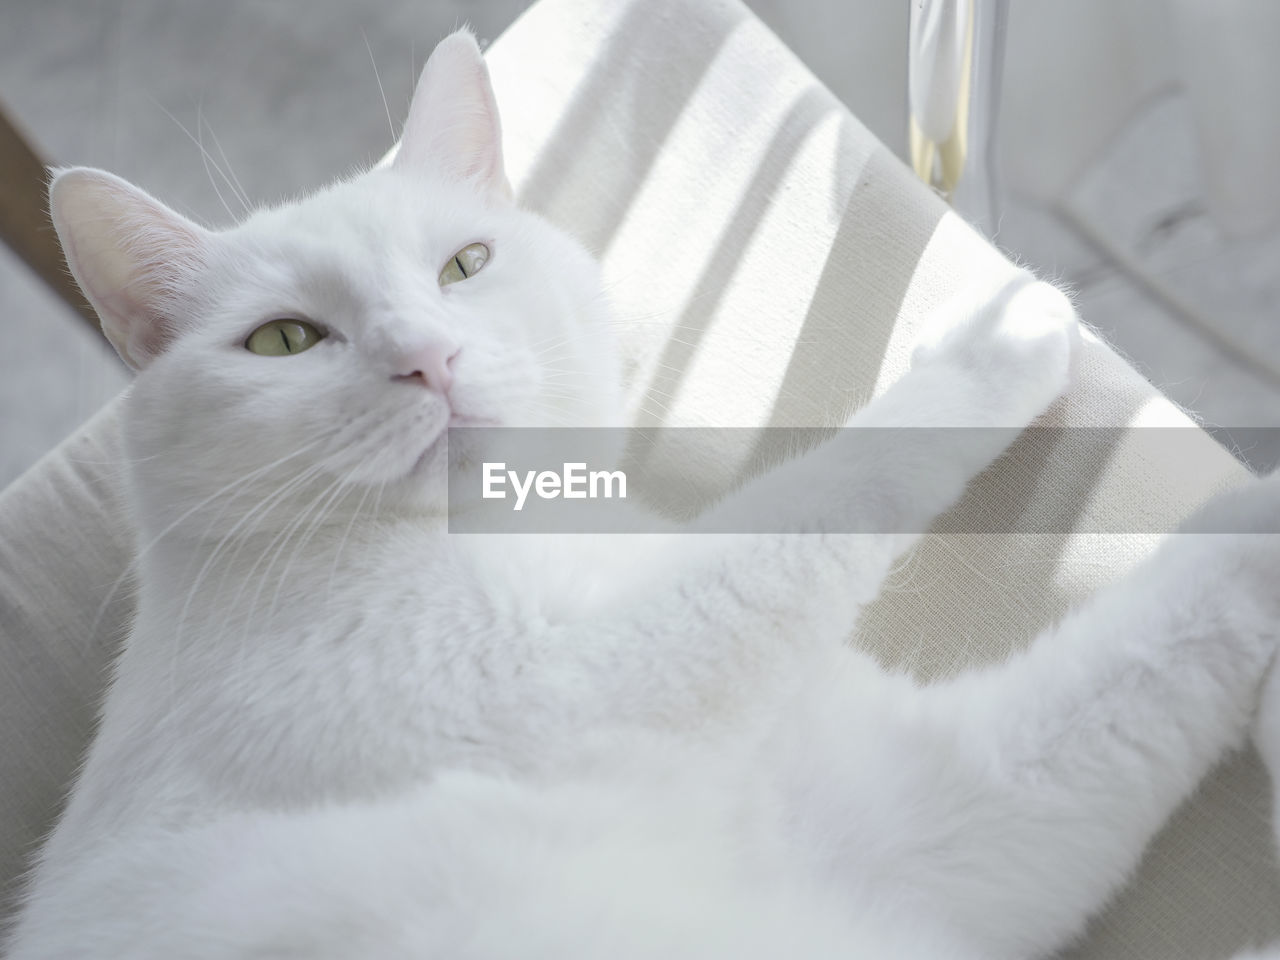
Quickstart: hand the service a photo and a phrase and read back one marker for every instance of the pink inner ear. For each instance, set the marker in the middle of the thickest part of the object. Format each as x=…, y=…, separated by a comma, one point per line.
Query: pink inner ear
x=131, y=255
x=453, y=128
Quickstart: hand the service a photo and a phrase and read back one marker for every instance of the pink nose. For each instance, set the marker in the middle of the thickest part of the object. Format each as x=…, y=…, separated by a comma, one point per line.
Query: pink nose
x=431, y=366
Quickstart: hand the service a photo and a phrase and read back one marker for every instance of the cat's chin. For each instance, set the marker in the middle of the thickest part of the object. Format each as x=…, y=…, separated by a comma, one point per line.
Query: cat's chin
x=432, y=462
x=426, y=481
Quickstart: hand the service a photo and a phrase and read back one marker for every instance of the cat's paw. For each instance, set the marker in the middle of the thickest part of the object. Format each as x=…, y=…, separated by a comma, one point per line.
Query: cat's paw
x=1027, y=338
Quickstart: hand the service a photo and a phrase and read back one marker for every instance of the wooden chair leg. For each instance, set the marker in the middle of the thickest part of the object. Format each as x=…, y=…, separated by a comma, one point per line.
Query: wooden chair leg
x=24, y=217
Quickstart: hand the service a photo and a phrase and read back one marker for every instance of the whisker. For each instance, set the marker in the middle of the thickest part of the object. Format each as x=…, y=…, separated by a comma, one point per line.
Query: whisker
x=235, y=184
x=208, y=160
x=337, y=554
x=326, y=511
x=145, y=548
x=193, y=590
x=203, y=153
x=278, y=542
x=383, y=93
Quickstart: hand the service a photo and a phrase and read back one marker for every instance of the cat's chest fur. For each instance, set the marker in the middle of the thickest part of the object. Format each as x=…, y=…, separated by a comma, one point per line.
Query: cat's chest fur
x=389, y=653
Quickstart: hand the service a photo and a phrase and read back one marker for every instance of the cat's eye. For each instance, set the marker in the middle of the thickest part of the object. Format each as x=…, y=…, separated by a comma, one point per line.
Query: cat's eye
x=279, y=338
x=466, y=262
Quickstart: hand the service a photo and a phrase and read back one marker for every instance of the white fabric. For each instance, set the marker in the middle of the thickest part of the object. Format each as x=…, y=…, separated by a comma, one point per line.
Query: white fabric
x=771, y=262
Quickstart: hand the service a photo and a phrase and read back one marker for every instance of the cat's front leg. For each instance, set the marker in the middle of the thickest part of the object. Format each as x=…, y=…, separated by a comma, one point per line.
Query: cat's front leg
x=983, y=372
x=728, y=603
x=1039, y=783
x=987, y=372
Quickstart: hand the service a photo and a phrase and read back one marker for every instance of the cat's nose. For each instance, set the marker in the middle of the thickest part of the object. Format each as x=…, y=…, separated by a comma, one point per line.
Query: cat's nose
x=432, y=366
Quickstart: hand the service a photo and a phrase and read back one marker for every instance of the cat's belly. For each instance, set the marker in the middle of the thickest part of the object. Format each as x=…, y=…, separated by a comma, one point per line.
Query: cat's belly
x=640, y=865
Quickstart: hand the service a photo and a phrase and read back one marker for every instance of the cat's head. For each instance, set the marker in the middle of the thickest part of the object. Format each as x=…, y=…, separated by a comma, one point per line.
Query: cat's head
x=333, y=340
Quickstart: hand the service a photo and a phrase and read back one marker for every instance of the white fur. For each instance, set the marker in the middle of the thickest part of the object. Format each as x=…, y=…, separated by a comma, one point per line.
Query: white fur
x=338, y=731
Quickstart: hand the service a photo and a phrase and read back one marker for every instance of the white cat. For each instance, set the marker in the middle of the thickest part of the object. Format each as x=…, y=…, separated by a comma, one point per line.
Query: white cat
x=337, y=730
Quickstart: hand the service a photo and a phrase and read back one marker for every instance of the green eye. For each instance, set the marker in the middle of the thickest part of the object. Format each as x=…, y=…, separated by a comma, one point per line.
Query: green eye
x=279, y=338
x=467, y=261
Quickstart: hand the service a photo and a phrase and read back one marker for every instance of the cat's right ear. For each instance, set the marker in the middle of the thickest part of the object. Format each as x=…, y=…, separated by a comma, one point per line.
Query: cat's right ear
x=131, y=255
x=453, y=128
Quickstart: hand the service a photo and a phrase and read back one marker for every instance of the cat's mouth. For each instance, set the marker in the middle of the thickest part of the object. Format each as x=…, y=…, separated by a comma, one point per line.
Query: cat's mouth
x=439, y=446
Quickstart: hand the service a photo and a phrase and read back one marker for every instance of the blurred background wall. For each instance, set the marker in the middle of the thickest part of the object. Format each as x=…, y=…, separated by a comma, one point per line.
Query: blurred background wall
x=1127, y=168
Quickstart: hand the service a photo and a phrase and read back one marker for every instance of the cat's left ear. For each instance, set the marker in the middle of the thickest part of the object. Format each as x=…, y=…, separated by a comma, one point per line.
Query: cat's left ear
x=453, y=128
x=134, y=258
